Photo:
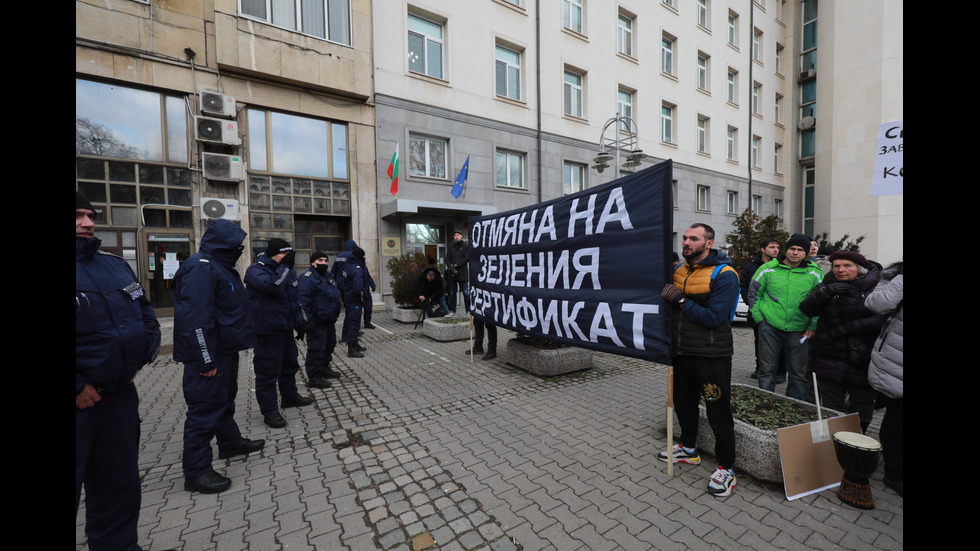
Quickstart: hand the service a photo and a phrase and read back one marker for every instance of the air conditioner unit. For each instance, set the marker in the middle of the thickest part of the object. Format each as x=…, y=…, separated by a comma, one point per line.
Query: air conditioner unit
x=216, y=130
x=217, y=104
x=223, y=167
x=213, y=208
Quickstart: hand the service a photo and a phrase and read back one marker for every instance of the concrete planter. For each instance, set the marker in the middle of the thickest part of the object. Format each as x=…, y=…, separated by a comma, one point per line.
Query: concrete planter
x=756, y=450
x=405, y=315
x=446, y=329
x=547, y=363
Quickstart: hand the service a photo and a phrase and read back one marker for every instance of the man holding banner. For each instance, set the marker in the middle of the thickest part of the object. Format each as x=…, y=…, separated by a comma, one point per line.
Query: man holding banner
x=703, y=296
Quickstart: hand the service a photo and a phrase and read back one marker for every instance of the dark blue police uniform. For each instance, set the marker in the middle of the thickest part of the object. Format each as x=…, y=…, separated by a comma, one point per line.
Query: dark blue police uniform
x=116, y=334
x=319, y=302
x=211, y=325
x=272, y=291
x=351, y=283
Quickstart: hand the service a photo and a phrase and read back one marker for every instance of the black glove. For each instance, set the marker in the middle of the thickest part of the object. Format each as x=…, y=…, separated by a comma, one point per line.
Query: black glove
x=840, y=289
x=672, y=294
x=300, y=334
x=307, y=326
x=289, y=259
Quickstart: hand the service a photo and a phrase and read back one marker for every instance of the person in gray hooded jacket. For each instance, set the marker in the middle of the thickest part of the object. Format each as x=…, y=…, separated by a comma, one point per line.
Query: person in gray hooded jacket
x=886, y=372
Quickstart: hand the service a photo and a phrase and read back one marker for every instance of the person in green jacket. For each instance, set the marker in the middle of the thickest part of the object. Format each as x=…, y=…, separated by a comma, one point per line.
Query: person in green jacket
x=775, y=294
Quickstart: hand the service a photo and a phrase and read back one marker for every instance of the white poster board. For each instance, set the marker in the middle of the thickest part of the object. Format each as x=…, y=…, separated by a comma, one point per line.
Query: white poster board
x=889, y=167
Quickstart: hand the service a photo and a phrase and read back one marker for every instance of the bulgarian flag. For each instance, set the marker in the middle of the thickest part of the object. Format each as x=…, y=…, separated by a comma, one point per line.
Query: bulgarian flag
x=393, y=171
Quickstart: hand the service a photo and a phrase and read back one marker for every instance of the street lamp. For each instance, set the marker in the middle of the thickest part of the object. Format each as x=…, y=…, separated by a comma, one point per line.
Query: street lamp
x=610, y=148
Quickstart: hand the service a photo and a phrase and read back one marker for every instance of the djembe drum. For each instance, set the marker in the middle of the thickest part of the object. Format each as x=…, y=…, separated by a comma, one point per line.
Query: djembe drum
x=858, y=456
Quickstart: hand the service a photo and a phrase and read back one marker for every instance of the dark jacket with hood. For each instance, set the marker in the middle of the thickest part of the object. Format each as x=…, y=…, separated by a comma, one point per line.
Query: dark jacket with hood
x=347, y=255
x=211, y=310
x=318, y=297
x=841, y=347
x=116, y=330
x=273, y=293
x=432, y=290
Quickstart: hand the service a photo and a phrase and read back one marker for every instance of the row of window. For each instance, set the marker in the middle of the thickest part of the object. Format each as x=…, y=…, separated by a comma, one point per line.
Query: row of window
x=428, y=158
x=132, y=153
x=732, y=205
x=426, y=44
x=326, y=19
x=573, y=19
x=703, y=129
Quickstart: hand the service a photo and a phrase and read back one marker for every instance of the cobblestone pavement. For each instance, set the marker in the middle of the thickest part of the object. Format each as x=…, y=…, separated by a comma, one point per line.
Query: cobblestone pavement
x=417, y=448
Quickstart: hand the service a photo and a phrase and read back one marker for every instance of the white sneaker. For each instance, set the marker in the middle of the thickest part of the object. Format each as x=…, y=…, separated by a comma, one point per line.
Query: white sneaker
x=722, y=482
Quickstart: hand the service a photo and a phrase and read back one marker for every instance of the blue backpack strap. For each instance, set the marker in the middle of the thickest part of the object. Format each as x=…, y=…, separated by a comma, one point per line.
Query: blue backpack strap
x=714, y=274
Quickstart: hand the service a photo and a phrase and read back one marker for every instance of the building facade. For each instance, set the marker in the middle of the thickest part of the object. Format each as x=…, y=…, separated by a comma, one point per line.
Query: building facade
x=243, y=109
x=285, y=115
x=850, y=82
x=524, y=90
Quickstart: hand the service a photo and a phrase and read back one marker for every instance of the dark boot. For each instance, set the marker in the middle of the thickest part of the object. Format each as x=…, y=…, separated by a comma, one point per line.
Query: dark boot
x=353, y=352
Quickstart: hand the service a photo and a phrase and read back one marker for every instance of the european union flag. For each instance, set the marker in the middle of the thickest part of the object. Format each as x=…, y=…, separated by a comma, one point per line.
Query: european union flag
x=461, y=178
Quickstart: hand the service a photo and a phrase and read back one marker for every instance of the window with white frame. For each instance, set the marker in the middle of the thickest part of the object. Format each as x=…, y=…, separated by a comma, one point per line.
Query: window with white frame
x=777, y=208
x=667, y=123
x=756, y=93
x=732, y=202
x=667, y=54
x=573, y=93
x=624, y=106
x=508, y=64
x=703, y=13
x=777, y=151
x=425, y=46
x=702, y=134
x=733, y=29
x=326, y=19
x=703, y=71
x=704, y=198
x=756, y=203
x=779, y=59
x=624, y=34
x=732, y=86
x=572, y=15
x=573, y=177
x=757, y=45
x=777, y=105
x=756, y=142
x=731, y=142
x=427, y=157
x=510, y=169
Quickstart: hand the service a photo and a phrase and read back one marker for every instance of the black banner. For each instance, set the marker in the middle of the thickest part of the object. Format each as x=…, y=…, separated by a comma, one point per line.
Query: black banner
x=584, y=269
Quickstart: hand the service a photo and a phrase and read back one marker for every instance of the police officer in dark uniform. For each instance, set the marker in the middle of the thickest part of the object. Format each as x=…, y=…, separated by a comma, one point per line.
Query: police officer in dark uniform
x=272, y=290
x=367, y=304
x=319, y=308
x=116, y=334
x=211, y=325
x=351, y=283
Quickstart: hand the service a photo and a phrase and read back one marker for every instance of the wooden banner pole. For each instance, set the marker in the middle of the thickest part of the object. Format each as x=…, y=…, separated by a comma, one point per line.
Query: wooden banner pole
x=670, y=420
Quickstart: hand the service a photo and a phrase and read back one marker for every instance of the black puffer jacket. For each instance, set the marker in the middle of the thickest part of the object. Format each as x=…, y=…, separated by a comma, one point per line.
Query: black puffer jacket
x=846, y=330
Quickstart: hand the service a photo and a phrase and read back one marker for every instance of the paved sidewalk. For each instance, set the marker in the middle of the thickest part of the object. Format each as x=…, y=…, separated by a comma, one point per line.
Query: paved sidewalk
x=417, y=448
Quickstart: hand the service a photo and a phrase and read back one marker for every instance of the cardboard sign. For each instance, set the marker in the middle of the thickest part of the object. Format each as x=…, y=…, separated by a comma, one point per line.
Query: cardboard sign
x=807, y=456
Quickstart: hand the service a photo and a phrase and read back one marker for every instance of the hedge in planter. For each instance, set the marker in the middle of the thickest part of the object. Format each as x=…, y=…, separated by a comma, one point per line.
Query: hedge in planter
x=405, y=271
x=757, y=449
